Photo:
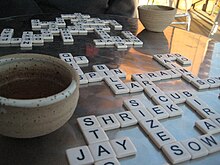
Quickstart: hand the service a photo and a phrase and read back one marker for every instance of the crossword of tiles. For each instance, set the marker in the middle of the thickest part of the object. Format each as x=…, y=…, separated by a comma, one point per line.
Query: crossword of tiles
x=101, y=150
x=81, y=24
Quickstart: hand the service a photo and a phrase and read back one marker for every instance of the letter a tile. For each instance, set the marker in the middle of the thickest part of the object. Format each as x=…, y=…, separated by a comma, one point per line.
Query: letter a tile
x=101, y=151
x=207, y=126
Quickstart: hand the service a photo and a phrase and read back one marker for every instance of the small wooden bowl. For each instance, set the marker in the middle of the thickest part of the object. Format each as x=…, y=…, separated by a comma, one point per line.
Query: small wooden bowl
x=38, y=94
x=156, y=18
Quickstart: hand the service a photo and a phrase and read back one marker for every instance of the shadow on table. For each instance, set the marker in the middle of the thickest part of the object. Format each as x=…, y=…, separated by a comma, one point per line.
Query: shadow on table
x=154, y=43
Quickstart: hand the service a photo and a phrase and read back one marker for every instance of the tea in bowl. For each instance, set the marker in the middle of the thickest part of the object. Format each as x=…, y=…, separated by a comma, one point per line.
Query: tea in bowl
x=38, y=94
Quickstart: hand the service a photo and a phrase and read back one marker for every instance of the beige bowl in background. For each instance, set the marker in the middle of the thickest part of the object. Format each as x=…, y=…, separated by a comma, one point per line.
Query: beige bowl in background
x=38, y=94
x=156, y=18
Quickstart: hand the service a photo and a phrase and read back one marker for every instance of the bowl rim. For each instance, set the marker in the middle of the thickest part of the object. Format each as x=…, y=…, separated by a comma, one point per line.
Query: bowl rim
x=44, y=101
x=141, y=7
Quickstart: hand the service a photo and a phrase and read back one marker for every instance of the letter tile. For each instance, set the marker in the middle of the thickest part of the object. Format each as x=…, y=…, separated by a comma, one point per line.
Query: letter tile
x=187, y=93
x=109, y=42
x=79, y=156
x=171, y=57
x=161, y=99
x=189, y=77
x=119, y=88
x=141, y=113
x=176, y=153
x=163, y=74
x=81, y=60
x=177, y=55
x=152, y=76
x=210, y=142
x=161, y=137
x=99, y=42
x=182, y=70
x=150, y=125
x=139, y=77
x=184, y=61
x=121, y=45
x=172, y=109
x=37, y=40
x=133, y=103
x=100, y=67
x=158, y=112
x=146, y=83
x=207, y=126
x=15, y=41
x=195, y=148
x=158, y=56
x=101, y=151
x=174, y=73
x=126, y=119
x=137, y=42
x=26, y=44
x=79, y=71
x=176, y=97
x=216, y=120
x=207, y=112
x=67, y=36
x=118, y=73
x=106, y=73
x=108, y=122
x=196, y=103
x=88, y=122
x=153, y=90
x=66, y=56
x=165, y=61
x=112, y=80
x=214, y=83
x=123, y=147
x=134, y=86
x=200, y=84
x=83, y=79
x=110, y=161
x=95, y=135
x=128, y=42
x=172, y=66
x=93, y=77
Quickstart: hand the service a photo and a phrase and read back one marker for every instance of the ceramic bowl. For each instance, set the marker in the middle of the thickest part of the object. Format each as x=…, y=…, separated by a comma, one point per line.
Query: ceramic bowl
x=156, y=18
x=38, y=94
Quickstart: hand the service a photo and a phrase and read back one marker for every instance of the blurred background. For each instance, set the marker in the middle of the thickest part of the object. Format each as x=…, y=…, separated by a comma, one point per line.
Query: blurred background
x=203, y=14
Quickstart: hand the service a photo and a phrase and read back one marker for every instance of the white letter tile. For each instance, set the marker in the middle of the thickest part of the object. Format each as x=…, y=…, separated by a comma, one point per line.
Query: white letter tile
x=79, y=156
x=123, y=147
x=176, y=153
x=101, y=151
x=108, y=122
